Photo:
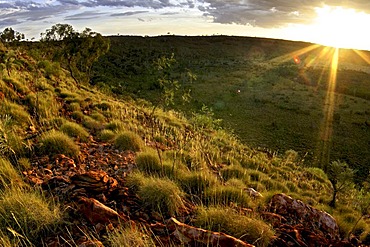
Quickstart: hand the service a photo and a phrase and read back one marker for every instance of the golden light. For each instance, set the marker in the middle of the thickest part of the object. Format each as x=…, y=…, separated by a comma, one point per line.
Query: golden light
x=341, y=27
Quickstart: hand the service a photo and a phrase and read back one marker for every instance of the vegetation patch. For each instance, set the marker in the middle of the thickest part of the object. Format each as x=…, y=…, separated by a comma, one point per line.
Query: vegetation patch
x=221, y=219
x=74, y=130
x=129, y=141
x=56, y=142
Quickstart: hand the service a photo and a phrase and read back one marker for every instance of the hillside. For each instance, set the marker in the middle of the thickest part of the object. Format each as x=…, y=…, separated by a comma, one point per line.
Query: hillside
x=80, y=167
x=257, y=88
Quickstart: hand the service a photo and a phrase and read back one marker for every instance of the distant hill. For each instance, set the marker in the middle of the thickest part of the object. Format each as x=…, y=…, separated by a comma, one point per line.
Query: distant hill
x=272, y=93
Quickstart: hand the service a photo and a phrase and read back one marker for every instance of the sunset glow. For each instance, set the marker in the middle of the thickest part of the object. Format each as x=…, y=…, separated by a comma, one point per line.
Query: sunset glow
x=340, y=27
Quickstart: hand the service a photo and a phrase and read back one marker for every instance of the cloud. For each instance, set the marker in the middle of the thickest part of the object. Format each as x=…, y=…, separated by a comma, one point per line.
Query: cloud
x=266, y=13
x=84, y=15
x=129, y=13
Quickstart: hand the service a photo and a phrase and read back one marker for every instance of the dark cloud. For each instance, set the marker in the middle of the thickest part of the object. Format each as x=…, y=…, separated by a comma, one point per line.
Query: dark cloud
x=266, y=13
x=129, y=13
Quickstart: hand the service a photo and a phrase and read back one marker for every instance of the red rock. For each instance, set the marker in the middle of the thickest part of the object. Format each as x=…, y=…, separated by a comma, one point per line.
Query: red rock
x=96, y=212
x=296, y=212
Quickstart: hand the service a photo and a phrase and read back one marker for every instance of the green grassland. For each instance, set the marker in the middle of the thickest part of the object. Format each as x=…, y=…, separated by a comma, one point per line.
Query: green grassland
x=257, y=89
x=200, y=170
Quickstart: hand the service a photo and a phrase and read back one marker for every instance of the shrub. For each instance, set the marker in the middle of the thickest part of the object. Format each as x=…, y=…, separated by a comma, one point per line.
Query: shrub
x=128, y=141
x=161, y=195
x=221, y=219
x=27, y=213
x=55, y=142
x=74, y=130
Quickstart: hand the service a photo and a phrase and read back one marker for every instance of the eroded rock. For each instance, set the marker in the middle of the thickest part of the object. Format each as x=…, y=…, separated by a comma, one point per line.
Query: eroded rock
x=296, y=212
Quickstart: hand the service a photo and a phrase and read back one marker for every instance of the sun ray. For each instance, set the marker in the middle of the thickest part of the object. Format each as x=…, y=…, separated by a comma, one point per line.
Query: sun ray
x=326, y=129
x=295, y=54
x=362, y=55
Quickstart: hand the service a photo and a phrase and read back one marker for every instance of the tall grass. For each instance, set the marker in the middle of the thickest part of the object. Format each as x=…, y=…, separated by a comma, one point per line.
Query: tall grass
x=226, y=220
x=27, y=214
x=56, y=142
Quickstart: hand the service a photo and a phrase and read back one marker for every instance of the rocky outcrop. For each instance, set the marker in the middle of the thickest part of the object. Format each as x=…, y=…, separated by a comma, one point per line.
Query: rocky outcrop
x=303, y=225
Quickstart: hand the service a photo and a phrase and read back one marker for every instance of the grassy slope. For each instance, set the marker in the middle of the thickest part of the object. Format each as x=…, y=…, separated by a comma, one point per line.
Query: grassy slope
x=39, y=96
x=280, y=105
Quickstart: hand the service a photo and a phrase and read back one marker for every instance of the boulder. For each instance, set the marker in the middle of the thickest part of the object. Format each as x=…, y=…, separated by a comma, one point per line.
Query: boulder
x=298, y=213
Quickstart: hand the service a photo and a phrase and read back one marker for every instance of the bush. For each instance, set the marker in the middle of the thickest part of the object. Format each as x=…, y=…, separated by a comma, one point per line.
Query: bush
x=161, y=195
x=226, y=220
x=74, y=130
x=128, y=141
x=27, y=213
x=55, y=142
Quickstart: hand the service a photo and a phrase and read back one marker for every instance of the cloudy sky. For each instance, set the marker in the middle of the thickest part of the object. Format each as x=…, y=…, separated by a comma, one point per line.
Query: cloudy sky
x=331, y=22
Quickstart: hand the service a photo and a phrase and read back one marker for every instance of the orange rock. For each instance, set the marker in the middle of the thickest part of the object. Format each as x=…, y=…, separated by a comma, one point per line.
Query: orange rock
x=96, y=212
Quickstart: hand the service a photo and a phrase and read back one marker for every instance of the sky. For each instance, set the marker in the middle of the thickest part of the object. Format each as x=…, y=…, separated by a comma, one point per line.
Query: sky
x=340, y=23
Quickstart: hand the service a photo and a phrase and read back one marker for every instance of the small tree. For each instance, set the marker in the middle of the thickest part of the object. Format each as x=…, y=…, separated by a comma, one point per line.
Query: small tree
x=10, y=35
x=78, y=51
x=340, y=176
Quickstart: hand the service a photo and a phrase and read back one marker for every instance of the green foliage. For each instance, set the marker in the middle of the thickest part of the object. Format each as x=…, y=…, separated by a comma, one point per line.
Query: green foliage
x=28, y=214
x=129, y=141
x=74, y=130
x=91, y=123
x=10, y=35
x=161, y=195
x=11, y=143
x=50, y=68
x=77, y=50
x=340, y=176
x=226, y=220
x=55, y=142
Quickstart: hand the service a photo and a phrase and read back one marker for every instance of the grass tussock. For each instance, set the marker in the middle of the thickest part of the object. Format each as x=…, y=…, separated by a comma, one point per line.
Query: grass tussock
x=27, y=213
x=129, y=141
x=224, y=195
x=131, y=236
x=226, y=220
x=9, y=176
x=162, y=196
x=56, y=142
x=106, y=135
x=75, y=130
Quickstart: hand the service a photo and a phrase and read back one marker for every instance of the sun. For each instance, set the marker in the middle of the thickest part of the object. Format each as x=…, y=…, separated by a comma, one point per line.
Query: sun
x=341, y=27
